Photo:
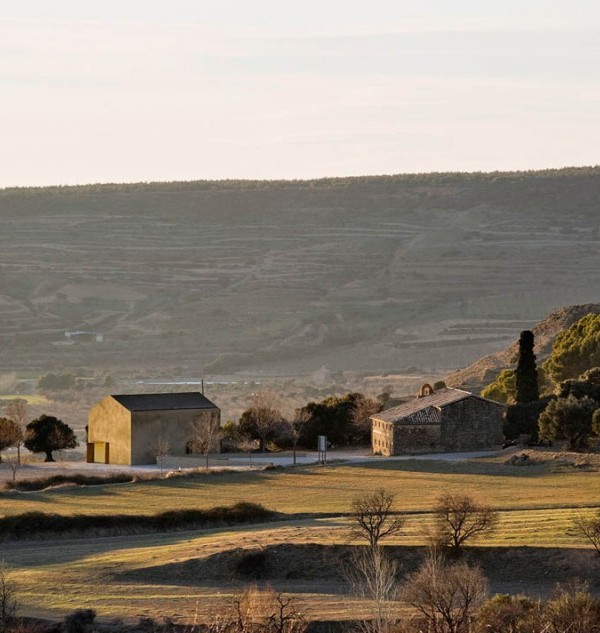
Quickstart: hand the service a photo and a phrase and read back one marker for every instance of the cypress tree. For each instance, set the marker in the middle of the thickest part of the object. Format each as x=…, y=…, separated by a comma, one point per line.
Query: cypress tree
x=526, y=375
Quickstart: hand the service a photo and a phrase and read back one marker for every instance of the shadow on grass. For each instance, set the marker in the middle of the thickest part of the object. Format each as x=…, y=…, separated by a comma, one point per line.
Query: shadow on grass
x=304, y=566
x=466, y=467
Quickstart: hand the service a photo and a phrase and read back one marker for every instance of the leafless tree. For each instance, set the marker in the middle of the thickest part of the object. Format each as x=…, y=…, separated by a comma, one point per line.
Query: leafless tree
x=445, y=595
x=294, y=425
x=264, y=611
x=265, y=413
x=204, y=436
x=373, y=517
x=8, y=600
x=17, y=411
x=10, y=434
x=589, y=528
x=372, y=576
x=14, y=463
x=459, y=518
x=363, y=409
x=160, y=450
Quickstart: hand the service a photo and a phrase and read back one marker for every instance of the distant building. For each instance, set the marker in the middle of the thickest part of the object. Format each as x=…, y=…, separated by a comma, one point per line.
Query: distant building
x=126, y=429
x=447, y=420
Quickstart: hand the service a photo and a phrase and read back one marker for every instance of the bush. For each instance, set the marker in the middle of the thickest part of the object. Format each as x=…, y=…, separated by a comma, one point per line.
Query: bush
x=252, y=565
x=36, y=524
x=31, y=485
x=509, y=614
x=79, y=621
x=568, y=419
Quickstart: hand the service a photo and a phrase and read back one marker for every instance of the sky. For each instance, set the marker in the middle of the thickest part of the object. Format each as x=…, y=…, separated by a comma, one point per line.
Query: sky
x=132, y=90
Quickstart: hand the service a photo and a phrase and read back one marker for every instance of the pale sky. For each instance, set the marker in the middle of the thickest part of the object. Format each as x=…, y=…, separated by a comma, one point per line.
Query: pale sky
x=142, y=90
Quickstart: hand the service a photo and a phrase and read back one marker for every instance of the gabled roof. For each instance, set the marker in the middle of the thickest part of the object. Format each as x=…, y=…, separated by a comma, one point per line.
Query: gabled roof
x=423, y=410
x=164, y=401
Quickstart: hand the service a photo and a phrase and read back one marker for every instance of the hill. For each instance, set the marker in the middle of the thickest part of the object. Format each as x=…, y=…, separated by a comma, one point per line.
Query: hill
x=483, y=371
x=373, y=274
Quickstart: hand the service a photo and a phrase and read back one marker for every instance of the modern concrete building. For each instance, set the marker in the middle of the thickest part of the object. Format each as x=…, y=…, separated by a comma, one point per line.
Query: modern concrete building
x=447, y=420
x=128, y=429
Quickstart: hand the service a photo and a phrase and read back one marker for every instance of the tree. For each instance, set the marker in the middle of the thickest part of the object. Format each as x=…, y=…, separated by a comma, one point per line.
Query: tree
x=160, y=450
x=373, y=518
x=10, y=434
x=332, y=417
x=17, y=411
x=47, y=434
x=361, y=414
x=295, y=426
x=522, y=419
x=262, y=418
x=446, y=595
x=263, y=611
x=568, y=419
x=8, y=601
x=575, y=350
x=204, y=436
x=526, y=378
x=14, y=464
x=589, y=528
x=503, y=388
x=372, y=576
x=459, y=518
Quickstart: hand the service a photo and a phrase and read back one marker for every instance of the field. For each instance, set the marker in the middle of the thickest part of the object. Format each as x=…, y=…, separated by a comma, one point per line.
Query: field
x=180, y=573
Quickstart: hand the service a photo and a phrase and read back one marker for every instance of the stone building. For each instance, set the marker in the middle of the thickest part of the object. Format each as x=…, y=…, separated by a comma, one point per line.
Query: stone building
x=447, y=420
x=128, y=429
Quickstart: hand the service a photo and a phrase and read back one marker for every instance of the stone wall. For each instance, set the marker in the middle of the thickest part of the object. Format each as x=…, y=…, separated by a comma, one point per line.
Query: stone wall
x=416, y=439
x=471, y=424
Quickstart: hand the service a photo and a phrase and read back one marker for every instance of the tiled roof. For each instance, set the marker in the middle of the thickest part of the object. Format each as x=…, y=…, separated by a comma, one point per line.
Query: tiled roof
x=164, y=401
x=421, y=410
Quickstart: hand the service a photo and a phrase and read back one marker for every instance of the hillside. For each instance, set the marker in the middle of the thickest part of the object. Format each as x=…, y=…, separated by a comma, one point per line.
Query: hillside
x=376, y=274
x=483, y=371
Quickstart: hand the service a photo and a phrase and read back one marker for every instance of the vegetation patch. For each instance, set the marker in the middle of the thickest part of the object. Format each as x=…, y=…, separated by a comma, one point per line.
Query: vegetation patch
x=49, y=525
x=41, y=483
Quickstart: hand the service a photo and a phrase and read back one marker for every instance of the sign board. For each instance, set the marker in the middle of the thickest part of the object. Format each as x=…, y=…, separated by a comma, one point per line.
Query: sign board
x=322, y=443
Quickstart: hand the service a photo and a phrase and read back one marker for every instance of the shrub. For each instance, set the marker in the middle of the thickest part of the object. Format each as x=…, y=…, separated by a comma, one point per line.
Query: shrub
x=80, y=621
x=35, y=524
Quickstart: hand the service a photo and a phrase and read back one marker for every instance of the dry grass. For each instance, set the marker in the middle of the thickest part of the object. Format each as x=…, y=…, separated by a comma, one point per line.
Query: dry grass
x=124, y=576
x=327, y=489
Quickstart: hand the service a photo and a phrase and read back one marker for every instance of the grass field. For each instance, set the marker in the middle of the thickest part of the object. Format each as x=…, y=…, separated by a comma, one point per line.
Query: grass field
x=141, y=575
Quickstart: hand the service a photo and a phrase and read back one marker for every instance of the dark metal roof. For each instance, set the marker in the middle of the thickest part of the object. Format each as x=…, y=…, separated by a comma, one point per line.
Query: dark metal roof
x=418, y=411
x=164, y=401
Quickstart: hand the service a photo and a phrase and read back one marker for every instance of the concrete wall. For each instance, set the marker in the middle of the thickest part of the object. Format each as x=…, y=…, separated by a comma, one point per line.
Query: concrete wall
x=108, y=421
x=173, y=427
x=471, y=424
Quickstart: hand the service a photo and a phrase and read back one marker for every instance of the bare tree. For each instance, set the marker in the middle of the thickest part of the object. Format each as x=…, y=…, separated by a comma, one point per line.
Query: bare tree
x=160, y=450
x=14, y=463
x=17, y=411
x=8, y=600
x=204, y=436
x=362, y=411
x=459, y=518
x=372, y=576
x=294, y=425
x=373, y=517
x=10, y=434
x=264, y=611
x=589, y=528
x=265, y=414
x=445, y=595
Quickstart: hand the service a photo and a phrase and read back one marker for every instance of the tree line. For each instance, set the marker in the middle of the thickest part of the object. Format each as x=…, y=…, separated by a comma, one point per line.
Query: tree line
x=560, y=401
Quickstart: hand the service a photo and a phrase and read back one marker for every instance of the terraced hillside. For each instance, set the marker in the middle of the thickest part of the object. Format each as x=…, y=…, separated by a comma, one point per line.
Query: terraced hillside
x=369, y=274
